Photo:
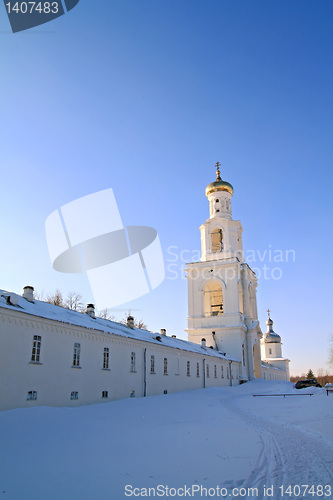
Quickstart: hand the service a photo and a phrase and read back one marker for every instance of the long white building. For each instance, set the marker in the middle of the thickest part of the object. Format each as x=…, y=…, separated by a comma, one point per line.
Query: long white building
x=57, y=357
x=54, y=356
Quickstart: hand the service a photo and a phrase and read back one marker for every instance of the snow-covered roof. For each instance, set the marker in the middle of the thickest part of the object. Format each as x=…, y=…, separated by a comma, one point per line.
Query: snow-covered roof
x=45, y=310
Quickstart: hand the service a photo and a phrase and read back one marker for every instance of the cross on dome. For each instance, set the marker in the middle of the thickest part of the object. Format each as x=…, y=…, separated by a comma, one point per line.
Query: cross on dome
x=218, y=176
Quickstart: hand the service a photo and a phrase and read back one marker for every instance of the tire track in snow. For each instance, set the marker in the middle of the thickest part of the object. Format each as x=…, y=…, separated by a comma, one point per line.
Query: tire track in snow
x=290, y=456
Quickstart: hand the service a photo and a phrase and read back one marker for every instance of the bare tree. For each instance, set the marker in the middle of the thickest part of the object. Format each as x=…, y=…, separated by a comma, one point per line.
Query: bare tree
x=74, y=302
x=55, y=298
x=39, y=295
x=105, y=314
x=137, y=323
x=330, y=354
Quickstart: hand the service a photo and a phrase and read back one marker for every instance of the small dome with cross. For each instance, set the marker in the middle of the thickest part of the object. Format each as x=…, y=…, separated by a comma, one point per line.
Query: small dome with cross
x=270, y=336
x=219, y=184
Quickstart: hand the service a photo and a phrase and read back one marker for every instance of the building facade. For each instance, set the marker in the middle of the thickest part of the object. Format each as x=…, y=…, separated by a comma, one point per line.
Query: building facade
x=53, y=356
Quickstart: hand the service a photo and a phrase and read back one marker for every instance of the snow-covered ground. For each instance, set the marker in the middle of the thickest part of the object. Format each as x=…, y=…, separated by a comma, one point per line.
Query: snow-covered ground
x=218, y=441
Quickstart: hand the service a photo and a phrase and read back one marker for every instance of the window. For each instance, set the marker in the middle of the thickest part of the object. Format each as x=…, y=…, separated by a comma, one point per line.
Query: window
x=165, y=371
x=207, y=371
x=165, y=391
x=213, y=299
x=227, y=373
x=74, y=395
x=35, y=355
x=152, y=364
x=106, y=356
x=222, y=374
x=217, y=240
x=270, y=351
x=188, y=369
x=215, y=371
x=105, y=394
x=243, y=350
x=76, y=354
x=198, y=370
x=32, y=396
x=133, y=362
x=217, y=200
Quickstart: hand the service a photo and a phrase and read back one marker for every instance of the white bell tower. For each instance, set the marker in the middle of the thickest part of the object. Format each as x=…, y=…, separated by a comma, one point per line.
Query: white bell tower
x=222, y=303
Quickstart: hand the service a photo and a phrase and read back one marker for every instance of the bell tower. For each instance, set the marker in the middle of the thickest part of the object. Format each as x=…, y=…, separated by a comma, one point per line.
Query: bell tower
x=222, y=306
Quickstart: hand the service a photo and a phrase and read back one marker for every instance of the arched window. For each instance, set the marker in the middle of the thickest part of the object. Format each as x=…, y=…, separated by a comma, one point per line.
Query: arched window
x=213, y=299
x=217, y=240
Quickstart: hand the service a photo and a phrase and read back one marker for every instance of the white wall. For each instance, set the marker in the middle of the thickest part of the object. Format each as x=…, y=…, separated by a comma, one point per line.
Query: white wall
x=54, y=378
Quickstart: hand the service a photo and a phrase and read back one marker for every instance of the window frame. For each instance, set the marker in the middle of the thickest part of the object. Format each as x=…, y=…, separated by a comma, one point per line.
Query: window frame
x=106, y=358
x=133, y=362
x=76, y=355
x=32, y=396
x=152, y=364
x=36, y=349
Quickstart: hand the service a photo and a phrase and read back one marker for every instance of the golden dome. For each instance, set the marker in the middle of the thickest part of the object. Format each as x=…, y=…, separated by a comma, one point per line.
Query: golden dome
x=219, y=184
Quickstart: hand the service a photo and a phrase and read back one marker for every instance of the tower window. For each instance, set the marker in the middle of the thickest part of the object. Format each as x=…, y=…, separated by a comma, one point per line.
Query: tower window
x=213, y=299
x=217, y=200
x=217, y=240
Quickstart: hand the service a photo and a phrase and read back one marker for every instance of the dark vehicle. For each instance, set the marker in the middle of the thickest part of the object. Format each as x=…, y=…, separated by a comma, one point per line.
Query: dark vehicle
x=301, y=384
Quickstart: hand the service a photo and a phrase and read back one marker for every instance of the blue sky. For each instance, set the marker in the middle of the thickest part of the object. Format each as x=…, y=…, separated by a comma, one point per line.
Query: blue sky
x=144, y=96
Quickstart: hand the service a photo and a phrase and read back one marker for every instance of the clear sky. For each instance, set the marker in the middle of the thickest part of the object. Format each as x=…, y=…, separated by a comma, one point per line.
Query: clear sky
x=144, y=96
